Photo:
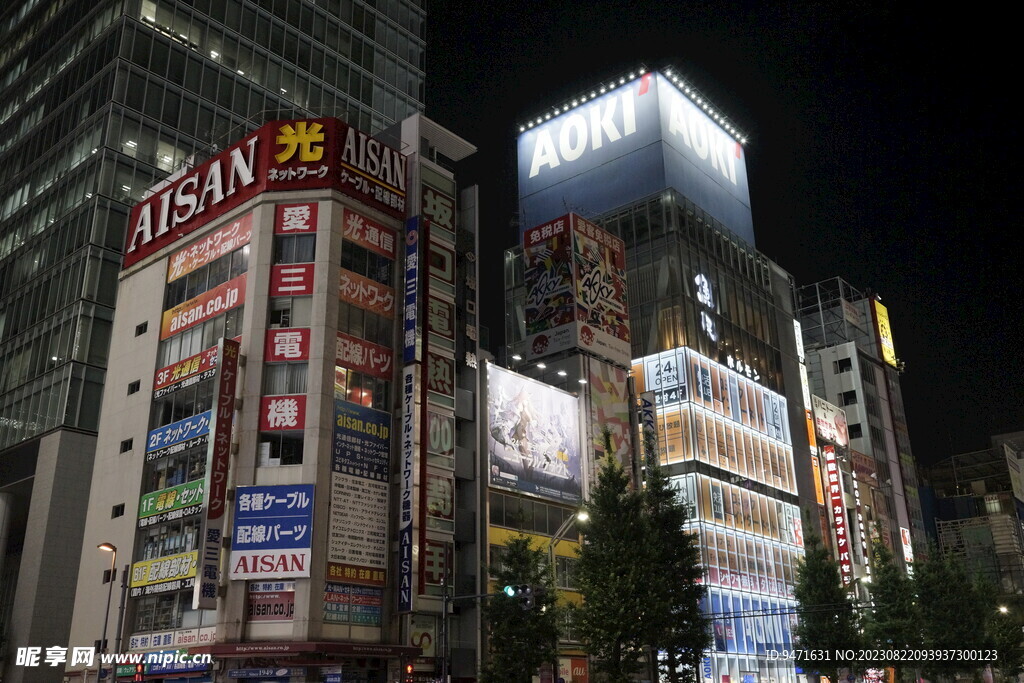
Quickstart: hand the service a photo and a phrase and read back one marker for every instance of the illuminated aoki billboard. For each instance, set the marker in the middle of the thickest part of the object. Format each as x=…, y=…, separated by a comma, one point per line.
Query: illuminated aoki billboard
x=533, y=439
x=631, y=141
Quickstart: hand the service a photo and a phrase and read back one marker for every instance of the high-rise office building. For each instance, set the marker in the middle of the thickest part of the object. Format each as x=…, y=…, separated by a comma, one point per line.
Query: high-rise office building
x=100, y=100
x=855, y=376
x=712, y=345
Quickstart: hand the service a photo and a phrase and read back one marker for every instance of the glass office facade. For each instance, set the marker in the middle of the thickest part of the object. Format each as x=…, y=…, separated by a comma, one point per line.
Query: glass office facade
x=100, y=100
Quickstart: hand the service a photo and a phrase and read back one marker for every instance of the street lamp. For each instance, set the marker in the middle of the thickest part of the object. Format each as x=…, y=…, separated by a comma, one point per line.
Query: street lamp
x=1003, y=609
x=578, y=516
x=112, y=549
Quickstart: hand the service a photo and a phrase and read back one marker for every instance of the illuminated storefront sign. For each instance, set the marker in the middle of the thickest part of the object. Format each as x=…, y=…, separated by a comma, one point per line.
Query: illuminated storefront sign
x=830, y=422
x=884, y=332
x=164, y=574
x=834, y=477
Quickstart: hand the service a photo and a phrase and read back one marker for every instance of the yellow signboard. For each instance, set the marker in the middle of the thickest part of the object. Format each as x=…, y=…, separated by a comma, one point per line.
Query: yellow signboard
x=884, y=333
x=163, y=569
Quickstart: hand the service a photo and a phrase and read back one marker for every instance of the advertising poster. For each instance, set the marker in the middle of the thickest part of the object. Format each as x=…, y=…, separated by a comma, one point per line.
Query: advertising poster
x=171, y=503
x=533, y=438
x=609, y=406
x=355, y=605
x=358, y=520
x=830, y=422
x=192, y=431
x=548, y=277
x=164, y=574
x=602, y=317
x=273, y=531
x=885, y=342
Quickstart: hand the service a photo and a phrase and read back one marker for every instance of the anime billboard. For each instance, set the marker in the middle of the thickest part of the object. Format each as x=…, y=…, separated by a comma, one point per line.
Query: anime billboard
x=533, y=441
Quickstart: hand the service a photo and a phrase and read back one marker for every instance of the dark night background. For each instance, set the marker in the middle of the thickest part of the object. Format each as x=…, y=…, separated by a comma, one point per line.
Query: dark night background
x=882, y=148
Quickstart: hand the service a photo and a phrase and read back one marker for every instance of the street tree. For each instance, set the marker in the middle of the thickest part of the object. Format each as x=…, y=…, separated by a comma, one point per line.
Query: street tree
x=892, y=621
x=520, y=640
x=673, y=620
x=827, y=616
x=1005, y=637
x=610, y=577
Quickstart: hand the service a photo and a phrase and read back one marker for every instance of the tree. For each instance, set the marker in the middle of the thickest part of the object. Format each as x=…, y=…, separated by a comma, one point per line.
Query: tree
x=610, y=577
x=1005, y=637
x=520, y=640
x=892, y=623
x=954, y=611
x=673, y=619
x=828, y=619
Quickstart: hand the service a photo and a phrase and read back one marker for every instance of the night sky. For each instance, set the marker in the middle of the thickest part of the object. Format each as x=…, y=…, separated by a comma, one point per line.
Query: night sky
x=882, y=148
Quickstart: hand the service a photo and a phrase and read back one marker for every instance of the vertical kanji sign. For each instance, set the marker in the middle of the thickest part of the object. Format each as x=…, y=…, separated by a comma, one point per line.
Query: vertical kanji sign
x=204, y=595
x=834, y=477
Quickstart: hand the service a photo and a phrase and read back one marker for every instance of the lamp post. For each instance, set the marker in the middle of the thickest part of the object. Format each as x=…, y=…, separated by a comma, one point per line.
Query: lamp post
x=579, y=516
x=112, y=549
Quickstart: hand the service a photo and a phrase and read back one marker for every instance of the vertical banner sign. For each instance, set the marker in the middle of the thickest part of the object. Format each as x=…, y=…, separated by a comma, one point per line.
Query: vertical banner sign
x=405, y=559
x=840, y=525
x=648, y=424
x=908, y=549
x=860, y=525
x=204, y=594
x=885, y=343
x=410, y=329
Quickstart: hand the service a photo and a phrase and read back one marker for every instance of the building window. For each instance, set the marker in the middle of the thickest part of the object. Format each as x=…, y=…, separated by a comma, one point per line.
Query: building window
x=280, y=448
x=294, y=248
x=117, y=510
x=357, y=322
x=362, y=261
x=848, y=398
x=565, y=572
x=134, y=386
x=141, y=328
x=842, y=365
x=856, y=431
x=126, y=445
x=287, y=311
x=284, y=378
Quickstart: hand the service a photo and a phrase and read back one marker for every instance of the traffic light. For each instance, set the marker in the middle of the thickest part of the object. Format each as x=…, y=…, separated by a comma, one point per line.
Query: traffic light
x=408, y=673
x=140, y=670
x=522, y=592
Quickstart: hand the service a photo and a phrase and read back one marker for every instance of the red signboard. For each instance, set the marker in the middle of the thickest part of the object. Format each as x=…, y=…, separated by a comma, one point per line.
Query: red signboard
x=193, y=366
x=221, y=442
x=272, y=606
x=286, y=344
x=220, y=242
x=280, y=413
x=360, y=230
x=366, y=293
x=281, y=155
x=292, y=279
x=359, y=354
x=834, y=481
x=293, y=218
x=207, y=305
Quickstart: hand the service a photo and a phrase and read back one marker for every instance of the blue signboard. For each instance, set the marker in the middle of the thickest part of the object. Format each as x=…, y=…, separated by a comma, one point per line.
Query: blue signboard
x=630, y=142
x=273, y=531
x=162, y=438
x=362, y=441
x=170, y=662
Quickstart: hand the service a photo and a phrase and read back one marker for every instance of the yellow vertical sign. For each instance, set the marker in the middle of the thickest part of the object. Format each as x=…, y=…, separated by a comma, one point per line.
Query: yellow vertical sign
x=884, y=333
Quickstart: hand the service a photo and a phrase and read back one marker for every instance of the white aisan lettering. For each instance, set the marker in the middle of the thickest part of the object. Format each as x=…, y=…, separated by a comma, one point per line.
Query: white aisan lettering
x=704, y=138
x=188, y=201
x=374, y=158
x=575, y=134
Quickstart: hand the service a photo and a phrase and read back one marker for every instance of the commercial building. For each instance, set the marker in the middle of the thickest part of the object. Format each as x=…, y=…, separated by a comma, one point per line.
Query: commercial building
x=854, y=376
x=281, y=469
x=979, y=509
x=711, y=341
x=100, y=100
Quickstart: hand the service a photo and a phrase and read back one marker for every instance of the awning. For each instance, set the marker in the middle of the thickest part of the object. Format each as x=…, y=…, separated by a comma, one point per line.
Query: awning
x=292, y=649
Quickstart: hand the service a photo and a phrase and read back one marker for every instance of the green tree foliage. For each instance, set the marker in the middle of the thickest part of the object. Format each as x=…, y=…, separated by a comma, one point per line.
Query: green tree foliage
x=673, y=619
x=892, y=622
x=1005, y=630
x=828, y=619
x=519, y=640
x=954, y=611
x=610, y=577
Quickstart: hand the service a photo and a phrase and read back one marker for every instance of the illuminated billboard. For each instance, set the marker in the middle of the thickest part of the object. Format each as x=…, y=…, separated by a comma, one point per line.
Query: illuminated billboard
x=575, y=277
x=281, y=155
x=885, y=344
x=630, y=141
x=830, y=422
x=533, y=437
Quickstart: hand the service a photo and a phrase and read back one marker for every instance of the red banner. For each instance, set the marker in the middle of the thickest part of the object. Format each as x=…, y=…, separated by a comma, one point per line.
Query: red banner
x=207, y=305
x=360, y=230
x=293, y=279
x=281, y=413
x=363, y=356
x=286, y=344
x=367, y=294
x=220, y=242
x=293, y=218
x=193, y=366
x=834, y=482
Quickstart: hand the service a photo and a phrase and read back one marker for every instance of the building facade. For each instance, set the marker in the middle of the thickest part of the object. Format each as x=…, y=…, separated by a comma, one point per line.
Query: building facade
x=712, y=344
x=100, y=101
x=854, y=372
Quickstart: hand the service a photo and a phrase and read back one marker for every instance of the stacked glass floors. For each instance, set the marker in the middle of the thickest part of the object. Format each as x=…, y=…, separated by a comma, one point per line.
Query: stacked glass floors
x=726, y=442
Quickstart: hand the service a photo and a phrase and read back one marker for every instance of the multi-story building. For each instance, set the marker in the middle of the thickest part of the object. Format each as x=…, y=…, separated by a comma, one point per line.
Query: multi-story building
x=100, y=100
x=979, y=511
x=852, y=365
x=282, y=470
x=712, y=344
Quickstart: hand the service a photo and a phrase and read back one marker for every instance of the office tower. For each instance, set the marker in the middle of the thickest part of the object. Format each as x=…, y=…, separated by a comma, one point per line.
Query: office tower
x=283, y=466
x=712, y=341
x=100, y=101
x=854, y=377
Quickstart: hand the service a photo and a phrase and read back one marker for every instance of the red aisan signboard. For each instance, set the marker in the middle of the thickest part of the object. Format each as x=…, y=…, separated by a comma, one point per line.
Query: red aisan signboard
x=207, y=305
x=286, y=344
x=295, y=218
x=220, y=242
x=293, y=279
x=281, y=413
x=363, y=356
x=281, y=155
